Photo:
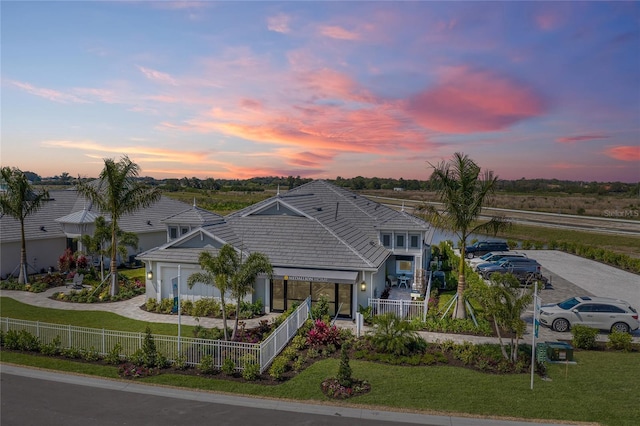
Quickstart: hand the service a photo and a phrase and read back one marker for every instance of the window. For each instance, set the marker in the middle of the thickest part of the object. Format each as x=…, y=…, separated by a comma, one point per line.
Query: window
x=184, y=230
x=399, y=240
x=173, y=232
x=414, y=241
x=386, y=240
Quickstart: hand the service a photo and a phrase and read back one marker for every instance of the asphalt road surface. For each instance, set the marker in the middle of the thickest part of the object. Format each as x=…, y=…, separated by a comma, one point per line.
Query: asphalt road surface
x=38, y=397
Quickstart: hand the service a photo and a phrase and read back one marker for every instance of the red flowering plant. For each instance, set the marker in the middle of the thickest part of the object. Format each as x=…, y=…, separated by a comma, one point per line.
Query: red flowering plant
x=322, y=335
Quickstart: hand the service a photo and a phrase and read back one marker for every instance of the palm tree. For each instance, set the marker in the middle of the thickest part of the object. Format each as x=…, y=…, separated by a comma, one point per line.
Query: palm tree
x=244, y=277
x=19, y=201
x=97, y=243
x=118, y=193
x=463, y=190
x=217, y=271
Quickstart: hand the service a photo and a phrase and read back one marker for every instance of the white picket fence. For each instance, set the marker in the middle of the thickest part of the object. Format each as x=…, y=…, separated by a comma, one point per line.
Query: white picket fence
x=192, y=349
x=405, y=309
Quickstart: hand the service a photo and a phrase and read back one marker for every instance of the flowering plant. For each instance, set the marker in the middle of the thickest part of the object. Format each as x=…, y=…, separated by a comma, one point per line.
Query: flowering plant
x=132, y=371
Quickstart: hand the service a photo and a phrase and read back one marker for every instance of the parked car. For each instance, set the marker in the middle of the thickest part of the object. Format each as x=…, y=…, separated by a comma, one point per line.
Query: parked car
x=493, y=256
x=523, y=268
x=603, y=313
x=483, y=247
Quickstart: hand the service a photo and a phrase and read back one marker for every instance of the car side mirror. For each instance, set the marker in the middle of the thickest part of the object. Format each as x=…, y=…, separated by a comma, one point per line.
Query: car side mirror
x=575, y=311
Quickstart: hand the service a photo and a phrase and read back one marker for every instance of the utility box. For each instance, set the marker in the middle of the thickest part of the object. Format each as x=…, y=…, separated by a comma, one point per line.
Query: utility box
x=541, y=352
x=558, y=351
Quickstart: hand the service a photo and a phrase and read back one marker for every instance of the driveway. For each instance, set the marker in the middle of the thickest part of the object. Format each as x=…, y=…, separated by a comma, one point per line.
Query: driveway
x=572, y=275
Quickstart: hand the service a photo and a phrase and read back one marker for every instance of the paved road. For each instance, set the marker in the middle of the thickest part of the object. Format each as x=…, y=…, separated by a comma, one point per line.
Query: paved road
x=38, y=397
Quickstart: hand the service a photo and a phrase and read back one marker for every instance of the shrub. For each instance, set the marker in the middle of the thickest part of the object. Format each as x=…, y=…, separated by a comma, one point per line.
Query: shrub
x=206, y=365
x=619, y=341
x=180, y=362
x=278, y=368
x=91, y=354
x=290, y=353
x=321, y=334
x=186, y=307
x=251, y=372
x=113, y=356
x=73, y=353
x=151, y=305
x=21, y=340
x=53, y=348
x=149, y=351
x=228, y=367
x=344, y=371
x=299, y=342
x=584, y=337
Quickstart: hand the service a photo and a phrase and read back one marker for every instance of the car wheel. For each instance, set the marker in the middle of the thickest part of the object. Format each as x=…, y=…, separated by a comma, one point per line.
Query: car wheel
x=560, y=325
x=620, y=327
x=470, y=256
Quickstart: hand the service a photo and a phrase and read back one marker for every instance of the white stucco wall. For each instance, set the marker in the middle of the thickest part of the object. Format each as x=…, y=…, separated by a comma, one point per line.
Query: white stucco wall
x=40, y=254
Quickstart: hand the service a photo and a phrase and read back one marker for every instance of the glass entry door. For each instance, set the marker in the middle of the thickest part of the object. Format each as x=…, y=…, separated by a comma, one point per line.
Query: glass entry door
x=285, y=294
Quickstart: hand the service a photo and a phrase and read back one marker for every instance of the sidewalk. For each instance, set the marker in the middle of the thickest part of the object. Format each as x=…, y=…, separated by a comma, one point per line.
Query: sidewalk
x=127, y=308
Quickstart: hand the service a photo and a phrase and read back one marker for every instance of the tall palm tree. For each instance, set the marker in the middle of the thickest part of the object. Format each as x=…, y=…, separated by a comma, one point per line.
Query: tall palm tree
x=463, y=190
x=19, y=201
x=217, y=271
x=244, y=278
x=118, y=193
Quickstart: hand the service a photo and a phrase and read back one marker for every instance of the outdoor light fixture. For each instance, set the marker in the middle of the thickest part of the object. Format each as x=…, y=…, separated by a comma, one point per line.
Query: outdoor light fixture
x=363, y=286
x=150, y=275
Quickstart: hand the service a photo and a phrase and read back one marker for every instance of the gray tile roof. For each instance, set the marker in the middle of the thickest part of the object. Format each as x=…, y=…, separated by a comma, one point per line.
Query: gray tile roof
x=194, y=216
x=69, y=205
x=324, y=226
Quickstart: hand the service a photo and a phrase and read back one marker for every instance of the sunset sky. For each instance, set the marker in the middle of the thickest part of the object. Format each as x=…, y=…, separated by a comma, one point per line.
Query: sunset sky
x=322, y=89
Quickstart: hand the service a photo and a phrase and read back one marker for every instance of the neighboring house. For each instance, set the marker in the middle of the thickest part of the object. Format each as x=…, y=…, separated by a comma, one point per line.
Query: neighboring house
x=65, y=216
x=322, y=241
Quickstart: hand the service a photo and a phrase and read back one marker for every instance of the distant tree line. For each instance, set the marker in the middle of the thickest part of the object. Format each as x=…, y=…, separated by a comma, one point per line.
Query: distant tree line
x=360, y=183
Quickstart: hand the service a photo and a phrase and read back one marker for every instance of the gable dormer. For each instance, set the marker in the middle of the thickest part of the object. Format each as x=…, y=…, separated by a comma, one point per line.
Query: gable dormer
x=276, y=207
x=185, y=221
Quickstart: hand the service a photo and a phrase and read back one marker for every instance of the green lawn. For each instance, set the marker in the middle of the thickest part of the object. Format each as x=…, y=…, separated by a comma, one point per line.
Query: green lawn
x=95, y=319
x=601, y=387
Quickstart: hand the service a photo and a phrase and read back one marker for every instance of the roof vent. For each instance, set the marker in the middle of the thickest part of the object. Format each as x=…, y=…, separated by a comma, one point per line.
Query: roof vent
x=42, y=228
x=319, y=209
x=149, y=222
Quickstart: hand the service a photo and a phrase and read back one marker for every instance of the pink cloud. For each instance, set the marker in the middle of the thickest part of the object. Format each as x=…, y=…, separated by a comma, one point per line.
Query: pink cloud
x=279, y=23
x=624, y=153
x=581, y=138
x=468, y=100
x=546, y=21
x=50, y=94
x=157, y=76
x=334, y=31
x=327, y=83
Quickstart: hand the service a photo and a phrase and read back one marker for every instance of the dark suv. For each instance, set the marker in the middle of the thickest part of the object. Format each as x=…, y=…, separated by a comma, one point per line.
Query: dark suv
x=483, y=247
x=525, y=269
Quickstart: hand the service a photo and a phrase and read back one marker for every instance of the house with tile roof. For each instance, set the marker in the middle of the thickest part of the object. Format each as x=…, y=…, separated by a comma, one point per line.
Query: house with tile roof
x=322, y=240
x=65, y=216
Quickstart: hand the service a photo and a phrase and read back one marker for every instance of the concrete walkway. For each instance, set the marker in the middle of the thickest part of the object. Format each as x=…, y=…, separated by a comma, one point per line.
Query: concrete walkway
x=127, y=308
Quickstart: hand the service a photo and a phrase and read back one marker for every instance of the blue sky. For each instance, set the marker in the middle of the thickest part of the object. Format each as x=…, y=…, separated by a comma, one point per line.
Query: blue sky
x=322, y=89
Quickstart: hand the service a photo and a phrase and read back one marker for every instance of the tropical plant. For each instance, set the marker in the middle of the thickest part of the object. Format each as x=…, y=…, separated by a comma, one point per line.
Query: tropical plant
x=244, y=277
x=117, y=192
x=392, y=335
x=19, y=201
x=217, y=271
x=504, y=301
x=463, y=190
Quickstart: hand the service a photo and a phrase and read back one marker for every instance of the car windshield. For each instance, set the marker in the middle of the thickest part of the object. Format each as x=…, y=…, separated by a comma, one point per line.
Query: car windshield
x=486, y=256
x=569, y=303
